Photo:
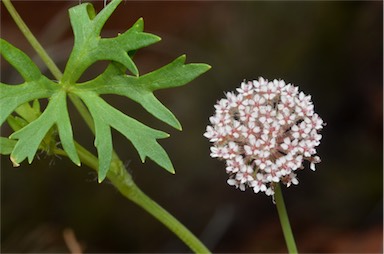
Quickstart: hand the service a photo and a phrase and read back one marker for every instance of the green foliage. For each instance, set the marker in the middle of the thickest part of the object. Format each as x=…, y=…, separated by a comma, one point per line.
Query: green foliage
x=6, y=145
x=35, y=130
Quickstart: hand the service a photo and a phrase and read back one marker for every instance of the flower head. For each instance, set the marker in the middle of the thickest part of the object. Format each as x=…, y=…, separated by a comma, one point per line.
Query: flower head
x=265, y=133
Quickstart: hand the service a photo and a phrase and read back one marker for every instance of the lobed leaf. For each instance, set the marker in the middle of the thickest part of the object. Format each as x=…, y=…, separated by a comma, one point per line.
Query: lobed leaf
x=30, y=137
x=35, y=86
x=140, y=89
x=34, y=129
x=142, y=137
x=89, y=47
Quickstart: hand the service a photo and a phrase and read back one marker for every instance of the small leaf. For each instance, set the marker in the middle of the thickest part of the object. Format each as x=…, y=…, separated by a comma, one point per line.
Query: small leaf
x=16, y=123
x=27, y=112
x=6, y=145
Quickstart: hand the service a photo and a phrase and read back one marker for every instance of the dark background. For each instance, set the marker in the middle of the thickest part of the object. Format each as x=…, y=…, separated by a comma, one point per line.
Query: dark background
x=331, y=50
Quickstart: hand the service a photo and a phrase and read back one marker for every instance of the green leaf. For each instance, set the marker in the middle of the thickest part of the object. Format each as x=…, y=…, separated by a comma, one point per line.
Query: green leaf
x=30, y=137
x=35, y=130
x=140, y=89
x=16, y=98
x=16, y=123
x=36, y=85
x=20, y=61
x=89, y=47
x=6, y=145
x=142, y=137
x=28, y=112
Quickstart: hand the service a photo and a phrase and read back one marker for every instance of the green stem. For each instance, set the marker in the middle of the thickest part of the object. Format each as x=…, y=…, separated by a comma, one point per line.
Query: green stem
x=284, y=220
x=117, y=174
x=122, y=180
x=32, y=40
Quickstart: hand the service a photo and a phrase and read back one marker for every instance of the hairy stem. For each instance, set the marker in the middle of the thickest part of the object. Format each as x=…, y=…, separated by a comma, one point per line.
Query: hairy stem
x=284, y=220
x=117, y=174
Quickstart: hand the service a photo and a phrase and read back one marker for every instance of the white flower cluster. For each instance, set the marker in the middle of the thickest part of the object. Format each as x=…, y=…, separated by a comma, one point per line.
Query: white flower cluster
x=265, y=132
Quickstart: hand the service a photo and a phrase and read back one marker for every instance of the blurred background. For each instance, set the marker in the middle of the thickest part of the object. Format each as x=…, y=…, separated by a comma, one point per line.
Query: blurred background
x=331, y=50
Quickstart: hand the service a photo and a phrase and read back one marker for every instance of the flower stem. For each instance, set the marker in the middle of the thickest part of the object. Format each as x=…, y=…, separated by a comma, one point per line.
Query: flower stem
x=284, y=220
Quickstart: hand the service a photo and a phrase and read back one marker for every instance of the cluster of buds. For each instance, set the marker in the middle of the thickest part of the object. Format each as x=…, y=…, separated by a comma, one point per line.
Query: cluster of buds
x=265, y=133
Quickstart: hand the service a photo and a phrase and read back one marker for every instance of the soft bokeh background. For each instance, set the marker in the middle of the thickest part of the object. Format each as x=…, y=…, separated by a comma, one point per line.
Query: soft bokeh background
x=331, y=50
